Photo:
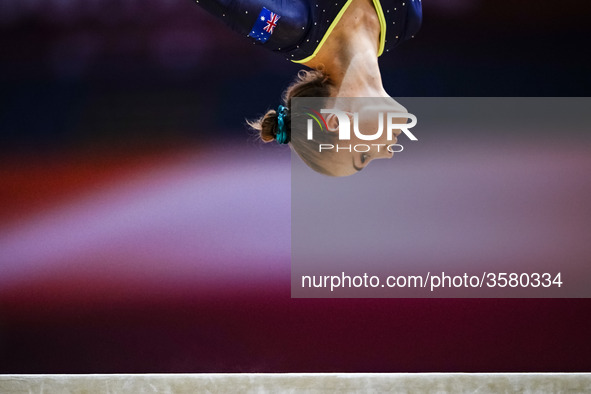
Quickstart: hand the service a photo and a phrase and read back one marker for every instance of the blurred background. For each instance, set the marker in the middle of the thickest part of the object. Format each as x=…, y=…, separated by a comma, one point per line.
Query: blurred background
x=143, y=229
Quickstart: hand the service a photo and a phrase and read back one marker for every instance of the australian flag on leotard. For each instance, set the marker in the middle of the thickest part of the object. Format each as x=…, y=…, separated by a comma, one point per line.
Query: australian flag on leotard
x=264, y=25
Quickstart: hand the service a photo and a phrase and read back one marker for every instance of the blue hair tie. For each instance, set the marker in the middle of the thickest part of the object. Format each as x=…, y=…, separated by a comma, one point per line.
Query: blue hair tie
x=281, y=136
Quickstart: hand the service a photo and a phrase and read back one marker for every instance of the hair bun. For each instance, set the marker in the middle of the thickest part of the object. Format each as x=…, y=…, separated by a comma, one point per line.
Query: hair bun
x=267, y=126
x=308, y=83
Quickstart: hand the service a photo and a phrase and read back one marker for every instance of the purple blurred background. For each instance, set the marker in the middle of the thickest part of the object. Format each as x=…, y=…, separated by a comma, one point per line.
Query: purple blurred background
x=142, y=229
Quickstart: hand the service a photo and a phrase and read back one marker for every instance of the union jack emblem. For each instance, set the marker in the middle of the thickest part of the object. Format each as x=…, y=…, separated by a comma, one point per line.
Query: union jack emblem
x=271, y=23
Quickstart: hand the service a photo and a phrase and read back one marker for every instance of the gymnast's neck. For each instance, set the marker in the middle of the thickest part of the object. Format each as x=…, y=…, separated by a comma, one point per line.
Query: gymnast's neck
x=349, y=55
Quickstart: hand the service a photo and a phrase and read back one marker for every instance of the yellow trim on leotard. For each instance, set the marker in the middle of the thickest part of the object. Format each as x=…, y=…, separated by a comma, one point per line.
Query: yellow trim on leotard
x=336, y=20
x=382, y=18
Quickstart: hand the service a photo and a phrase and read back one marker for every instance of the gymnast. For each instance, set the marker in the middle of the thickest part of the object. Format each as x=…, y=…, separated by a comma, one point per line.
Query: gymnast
x=340, y=41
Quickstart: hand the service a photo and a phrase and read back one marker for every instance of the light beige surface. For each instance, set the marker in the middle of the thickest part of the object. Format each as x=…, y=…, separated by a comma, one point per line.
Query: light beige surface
x=298, y=383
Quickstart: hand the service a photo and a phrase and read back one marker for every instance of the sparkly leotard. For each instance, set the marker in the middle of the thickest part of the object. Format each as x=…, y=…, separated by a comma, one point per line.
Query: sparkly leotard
x=299, y=28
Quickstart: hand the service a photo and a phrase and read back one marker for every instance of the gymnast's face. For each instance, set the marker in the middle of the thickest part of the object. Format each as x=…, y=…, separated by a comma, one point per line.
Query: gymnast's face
x=355, y=154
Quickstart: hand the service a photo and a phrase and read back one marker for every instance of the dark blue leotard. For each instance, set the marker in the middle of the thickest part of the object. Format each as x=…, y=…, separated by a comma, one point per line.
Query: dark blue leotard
x=298, y=28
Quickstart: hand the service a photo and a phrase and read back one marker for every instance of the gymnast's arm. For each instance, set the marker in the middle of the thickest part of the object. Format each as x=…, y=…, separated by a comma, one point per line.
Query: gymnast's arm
x=254, y=19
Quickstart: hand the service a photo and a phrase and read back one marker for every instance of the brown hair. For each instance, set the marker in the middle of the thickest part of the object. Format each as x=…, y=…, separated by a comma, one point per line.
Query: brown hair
x=308, y=83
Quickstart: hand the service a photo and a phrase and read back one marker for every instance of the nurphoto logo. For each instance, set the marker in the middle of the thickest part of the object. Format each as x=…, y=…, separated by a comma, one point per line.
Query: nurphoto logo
x=389, y=126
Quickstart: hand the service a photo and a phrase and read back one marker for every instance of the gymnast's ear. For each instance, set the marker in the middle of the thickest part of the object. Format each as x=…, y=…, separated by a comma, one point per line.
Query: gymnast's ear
x=332, y=122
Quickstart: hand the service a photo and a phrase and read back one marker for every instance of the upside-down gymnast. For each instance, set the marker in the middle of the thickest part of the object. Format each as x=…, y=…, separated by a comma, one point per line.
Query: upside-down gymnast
x=340, y=41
